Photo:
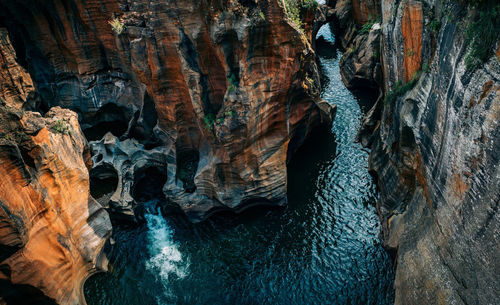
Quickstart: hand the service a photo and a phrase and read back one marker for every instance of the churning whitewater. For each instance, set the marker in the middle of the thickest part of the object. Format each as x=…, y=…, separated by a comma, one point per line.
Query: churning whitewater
x=165, y=258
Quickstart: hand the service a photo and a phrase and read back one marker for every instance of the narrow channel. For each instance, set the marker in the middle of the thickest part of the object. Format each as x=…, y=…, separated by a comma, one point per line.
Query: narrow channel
x=323, y=248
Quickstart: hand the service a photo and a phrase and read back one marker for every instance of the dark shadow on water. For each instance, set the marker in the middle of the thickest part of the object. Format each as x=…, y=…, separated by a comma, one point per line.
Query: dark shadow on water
x=14, y=294
x=306, y=164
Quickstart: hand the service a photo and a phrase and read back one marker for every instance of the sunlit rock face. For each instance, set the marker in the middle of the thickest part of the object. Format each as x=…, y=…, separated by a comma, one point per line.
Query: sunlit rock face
x=434, y=153
x=16, y=84
x=229, y=89
x=52, y=232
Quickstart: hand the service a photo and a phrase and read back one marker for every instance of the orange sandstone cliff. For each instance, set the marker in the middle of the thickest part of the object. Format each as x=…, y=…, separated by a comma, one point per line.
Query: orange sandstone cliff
x=52, y=231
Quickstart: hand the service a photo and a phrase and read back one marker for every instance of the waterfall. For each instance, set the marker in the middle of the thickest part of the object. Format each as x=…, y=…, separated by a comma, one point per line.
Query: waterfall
x=165, y=259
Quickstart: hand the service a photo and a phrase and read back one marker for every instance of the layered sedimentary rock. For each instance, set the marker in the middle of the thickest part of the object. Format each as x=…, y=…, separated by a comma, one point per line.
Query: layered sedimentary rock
x=360, y=63
x=358, y=29
x=435, y=143
x=15, y=82
x=51, y=231
x=227, y=88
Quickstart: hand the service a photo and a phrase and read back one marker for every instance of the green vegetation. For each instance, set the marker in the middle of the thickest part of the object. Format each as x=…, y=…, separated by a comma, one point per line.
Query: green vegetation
x=262, y=16
x=293, y=8
x=233, y=84
x=293, y=12
x=309, y=4
x=117, y=26
x=425, y=67
x=435, y=25
x=400, y=89
x=209, y=120
x=61, y=127
x=483, y=33
x=410, y=53
x=365, y=29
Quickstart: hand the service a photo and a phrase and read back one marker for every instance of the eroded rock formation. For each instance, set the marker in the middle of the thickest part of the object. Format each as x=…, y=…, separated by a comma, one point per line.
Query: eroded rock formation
x=15, y=82
x=125, y=173
x=229, y=89
x=52, y=232
x=435, y=142
x=357, y=26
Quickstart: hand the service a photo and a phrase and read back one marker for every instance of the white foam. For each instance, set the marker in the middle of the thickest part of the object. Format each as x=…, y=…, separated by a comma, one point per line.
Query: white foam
x=165, y=258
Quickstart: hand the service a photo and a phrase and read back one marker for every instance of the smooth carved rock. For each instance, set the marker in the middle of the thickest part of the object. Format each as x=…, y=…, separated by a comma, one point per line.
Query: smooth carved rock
x=51, y=231
x=360, y=66
x=346, y=25
x=125, y=174
x=230, y=90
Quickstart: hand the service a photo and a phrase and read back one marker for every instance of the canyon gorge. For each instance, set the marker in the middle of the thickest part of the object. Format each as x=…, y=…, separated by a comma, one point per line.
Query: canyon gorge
x=249, y=152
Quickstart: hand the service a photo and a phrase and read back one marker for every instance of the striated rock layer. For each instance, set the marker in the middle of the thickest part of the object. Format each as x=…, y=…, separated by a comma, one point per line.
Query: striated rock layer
x=228, y=89
x=15, y=82
x=52, y=232
x=435, y=140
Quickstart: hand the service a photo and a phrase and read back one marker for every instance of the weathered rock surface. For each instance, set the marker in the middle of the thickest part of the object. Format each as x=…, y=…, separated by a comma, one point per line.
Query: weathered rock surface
x=364, y=11
x=360, y=63
x=228, y=88
x=358, y=30
x=435, y=156
x=52, y=232
x=125, y=173
x=15, y=82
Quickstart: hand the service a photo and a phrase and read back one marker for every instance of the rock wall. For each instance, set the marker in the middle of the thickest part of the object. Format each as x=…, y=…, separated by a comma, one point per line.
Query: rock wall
x=357, y=27
x=15, y=82
x=435, y=139
x=227, y=88
x=51, y=231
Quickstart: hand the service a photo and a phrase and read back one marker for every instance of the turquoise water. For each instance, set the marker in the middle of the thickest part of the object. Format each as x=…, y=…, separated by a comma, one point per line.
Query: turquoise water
x=323, y=248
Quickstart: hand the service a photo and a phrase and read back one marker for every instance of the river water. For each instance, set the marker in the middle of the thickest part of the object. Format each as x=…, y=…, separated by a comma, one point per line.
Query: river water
x=323, y=248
